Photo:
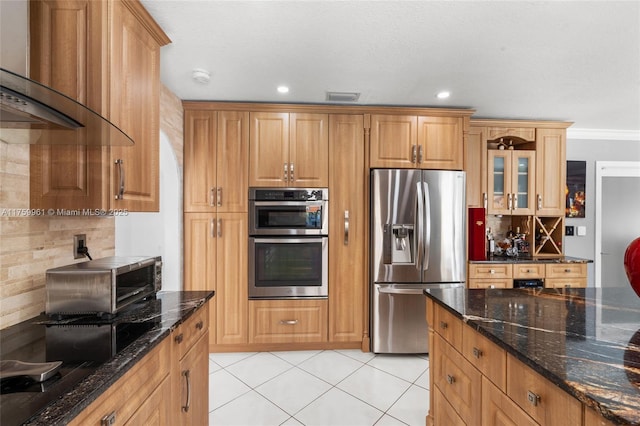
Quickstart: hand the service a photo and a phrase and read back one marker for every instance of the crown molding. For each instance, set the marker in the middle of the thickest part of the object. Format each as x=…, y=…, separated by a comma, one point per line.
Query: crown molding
x=604, y=134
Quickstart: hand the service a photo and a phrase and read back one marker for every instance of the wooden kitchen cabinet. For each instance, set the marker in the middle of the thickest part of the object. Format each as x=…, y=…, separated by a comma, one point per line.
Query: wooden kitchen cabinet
x=551, y=172
x=511, y=182
x=288, y=321
x=499, y=409
x=560, y=275
x=190, y=374
x=407, y=141
x=215, y=258
x=475, y=165
x=490, y=275
x=111, y=64
x=288, y=150
x=216, y=154
x=347, y=234
x=133, y=396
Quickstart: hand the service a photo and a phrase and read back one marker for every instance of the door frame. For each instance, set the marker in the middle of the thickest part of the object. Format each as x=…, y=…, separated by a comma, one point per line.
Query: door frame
x=607, y=169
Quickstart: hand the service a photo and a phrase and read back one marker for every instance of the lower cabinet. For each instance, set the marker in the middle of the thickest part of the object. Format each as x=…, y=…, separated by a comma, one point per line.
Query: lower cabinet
x=287, y=321
x=501, y=275
x=477, y=383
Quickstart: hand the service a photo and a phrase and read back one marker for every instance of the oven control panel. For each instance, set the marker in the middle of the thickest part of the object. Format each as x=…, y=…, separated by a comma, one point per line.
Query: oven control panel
x=288, y=194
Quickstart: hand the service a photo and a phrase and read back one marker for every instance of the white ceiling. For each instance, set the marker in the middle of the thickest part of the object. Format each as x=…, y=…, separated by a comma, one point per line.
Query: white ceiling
x=554, y=60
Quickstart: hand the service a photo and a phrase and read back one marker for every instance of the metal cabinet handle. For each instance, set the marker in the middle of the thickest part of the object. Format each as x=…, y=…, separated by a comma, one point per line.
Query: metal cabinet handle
x=120, y=195
x=286, y=172
x=492, y=271
x=567, y=270
x=515, y=201
x=212, y=228
x=450, y=379
x=443, y=325
x=289, y=322
x=539, y=202
x=219, y=228
x=291, y=179
x=419, y=153
x=211, y=191
x=199, y=325
x=109, y=419
x=485, y=200
x=414, y=153
x=179, y=338
x=533, y=398
x=346, y=227
x=509, y=202
x=219, y=197
x=187, y=375
x=477, y=353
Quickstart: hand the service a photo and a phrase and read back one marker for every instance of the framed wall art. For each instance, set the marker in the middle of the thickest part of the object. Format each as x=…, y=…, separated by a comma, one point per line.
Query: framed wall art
x=575, y=190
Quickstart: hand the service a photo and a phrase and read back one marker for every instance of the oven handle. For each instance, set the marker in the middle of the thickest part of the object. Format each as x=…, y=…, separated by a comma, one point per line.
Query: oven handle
x=321, y=203
x=287, y=240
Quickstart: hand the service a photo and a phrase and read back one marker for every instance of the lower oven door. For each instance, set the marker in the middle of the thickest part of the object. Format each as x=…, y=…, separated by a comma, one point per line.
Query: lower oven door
x=288, y=267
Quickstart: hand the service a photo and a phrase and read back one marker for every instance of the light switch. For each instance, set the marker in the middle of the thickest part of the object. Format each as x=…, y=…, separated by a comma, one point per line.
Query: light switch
x=582, y=231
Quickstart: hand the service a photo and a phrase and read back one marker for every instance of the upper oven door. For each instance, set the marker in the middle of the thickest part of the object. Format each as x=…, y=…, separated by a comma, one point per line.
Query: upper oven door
x=288, y=217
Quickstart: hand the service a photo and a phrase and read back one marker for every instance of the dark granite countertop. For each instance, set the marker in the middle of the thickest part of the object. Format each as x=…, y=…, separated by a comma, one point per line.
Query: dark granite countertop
x=530, y=259
x=127, y=339
x=585, y=340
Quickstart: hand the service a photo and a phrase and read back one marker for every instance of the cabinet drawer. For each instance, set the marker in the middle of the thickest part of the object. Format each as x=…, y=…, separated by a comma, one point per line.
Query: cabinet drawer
x=287, y=321
x=488, y=283
x=447, y=325
x=499, y=409
x=542, y=400
x=565, y=282
x=458, y=380
x=188, y=333
x=526, y=133
x=528, y=270
x=486, y=356
x=131, y=391
x=565, y=270
x=490, y=270
x=443, y=412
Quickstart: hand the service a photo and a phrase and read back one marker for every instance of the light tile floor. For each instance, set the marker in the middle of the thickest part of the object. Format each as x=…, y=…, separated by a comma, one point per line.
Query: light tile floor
x=327, y=388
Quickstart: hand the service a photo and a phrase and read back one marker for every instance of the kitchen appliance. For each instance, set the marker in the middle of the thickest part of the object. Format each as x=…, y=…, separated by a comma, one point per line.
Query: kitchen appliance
x=418, y=220
x=288, y=243
x=103, y=286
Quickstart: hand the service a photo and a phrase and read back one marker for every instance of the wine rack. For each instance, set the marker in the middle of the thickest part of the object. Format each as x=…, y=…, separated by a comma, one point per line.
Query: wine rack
x=547, y=235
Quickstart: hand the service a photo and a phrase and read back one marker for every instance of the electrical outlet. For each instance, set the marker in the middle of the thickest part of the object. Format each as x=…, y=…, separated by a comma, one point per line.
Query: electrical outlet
x=79, y=240
x=568, y=230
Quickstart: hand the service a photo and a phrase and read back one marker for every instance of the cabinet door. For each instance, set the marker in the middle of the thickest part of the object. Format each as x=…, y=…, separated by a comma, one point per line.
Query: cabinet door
x=393, y=141
x=347, y=214
x=154, y=410
x=69, y=176
x=269, y=149
x=200, y=259
x=499, y=181
x=194, y=385
x=134, y=99
x=475, y=164
x=309, y=150
x=232, y=292
x=440, y=143
x=232, y=176
x=199, y=161
x=522, y=182
x=551, y=171
x=498, y=409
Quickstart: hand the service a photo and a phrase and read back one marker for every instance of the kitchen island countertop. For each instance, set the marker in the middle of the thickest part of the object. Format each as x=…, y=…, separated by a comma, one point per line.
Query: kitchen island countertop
x=152, y=320
x=584, y=340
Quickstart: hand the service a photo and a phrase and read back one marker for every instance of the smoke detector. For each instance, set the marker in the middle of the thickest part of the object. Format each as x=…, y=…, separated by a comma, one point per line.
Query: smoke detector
x=201, y=75
x=343, y=96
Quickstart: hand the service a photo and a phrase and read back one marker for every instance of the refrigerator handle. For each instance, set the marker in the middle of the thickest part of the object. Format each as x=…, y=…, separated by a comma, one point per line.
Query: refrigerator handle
x=419, y=228
x=427, y=227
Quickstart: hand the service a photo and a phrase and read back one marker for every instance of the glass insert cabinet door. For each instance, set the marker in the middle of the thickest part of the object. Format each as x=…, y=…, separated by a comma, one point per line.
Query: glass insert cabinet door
x=511, y=182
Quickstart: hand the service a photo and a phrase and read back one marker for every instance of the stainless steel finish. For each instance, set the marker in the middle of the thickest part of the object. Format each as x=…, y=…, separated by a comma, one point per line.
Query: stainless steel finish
x=219, y=197
x=346, y=227
x=417, y=241
x=539, y=202
x=120, y=195
x=101, y=286
x=485, y=200
x=291, y=178
x=515, y=201
x=509, y=202
x=36, y=371
x=219, y=228
x=288, y=290
x=212, y=228
x=109, y=419
x=286, y=173
x=414, y=154
x=419, y=154
x=289, y=322
x=187, y=375
x=211, y=196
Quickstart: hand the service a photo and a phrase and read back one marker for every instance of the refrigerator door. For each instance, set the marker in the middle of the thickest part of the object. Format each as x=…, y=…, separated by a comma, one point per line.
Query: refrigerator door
x=395, y=253
x=444, y=226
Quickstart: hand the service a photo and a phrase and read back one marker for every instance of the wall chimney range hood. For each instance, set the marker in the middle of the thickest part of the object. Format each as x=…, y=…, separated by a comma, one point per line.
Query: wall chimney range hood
x=31, y=113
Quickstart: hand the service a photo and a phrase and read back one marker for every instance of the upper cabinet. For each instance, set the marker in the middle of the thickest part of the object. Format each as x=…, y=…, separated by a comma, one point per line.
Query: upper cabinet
x=475, y=165
x=551, y=172
x=511, y=182
x=106, y=55
x=409, y=141
x=289, y=149
x=216, y=153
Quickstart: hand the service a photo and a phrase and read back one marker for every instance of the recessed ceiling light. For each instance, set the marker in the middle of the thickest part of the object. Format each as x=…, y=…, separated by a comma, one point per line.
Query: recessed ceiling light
x=443, y=95
x=283, y=89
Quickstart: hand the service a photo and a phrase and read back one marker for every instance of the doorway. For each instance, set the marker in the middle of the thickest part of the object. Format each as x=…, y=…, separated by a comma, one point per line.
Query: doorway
x=617, y=206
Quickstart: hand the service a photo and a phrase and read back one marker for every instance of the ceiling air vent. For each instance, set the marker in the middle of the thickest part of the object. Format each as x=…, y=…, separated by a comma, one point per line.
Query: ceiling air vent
x=343, y=96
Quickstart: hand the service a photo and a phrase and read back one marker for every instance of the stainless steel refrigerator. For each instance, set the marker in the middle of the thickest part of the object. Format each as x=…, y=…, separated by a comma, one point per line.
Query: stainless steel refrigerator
x=418, y=233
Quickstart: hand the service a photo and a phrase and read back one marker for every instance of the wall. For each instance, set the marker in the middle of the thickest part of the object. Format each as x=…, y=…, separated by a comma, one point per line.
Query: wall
x=592, y=151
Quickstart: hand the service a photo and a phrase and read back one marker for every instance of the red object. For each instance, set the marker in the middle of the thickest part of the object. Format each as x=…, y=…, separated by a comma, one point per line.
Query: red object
x=632, y=264
x=477, y=234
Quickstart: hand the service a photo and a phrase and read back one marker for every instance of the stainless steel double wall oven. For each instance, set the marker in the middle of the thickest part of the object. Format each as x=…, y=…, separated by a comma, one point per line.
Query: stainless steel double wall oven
x=288, y=242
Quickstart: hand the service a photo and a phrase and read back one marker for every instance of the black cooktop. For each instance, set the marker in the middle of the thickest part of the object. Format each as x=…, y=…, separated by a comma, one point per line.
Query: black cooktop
x=82, y=344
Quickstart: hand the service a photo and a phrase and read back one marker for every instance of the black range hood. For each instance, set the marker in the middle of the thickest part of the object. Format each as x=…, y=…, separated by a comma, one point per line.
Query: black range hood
x=31, y=113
